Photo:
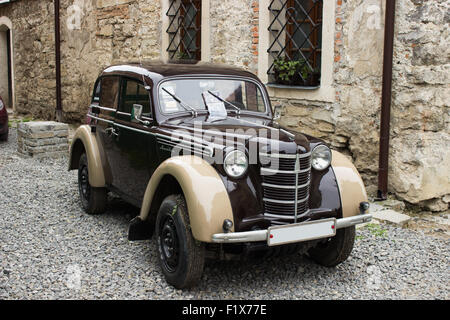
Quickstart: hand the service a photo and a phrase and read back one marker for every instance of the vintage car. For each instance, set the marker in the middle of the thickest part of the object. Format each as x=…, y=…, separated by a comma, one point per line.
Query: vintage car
x=198, y=149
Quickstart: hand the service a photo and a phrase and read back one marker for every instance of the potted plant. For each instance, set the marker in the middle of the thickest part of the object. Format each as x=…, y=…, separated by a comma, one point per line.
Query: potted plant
x=290, y=72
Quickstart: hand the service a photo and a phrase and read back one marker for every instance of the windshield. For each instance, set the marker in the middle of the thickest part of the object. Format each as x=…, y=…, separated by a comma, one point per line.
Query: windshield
x=180, y=95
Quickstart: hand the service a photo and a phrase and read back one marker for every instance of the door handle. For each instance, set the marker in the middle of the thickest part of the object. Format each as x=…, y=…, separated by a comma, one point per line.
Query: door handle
x=112, y=131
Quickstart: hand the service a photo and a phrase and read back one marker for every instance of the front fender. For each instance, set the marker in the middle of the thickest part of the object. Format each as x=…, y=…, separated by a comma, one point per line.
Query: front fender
x=85, y=141
x=206, y=197
x=350, y=184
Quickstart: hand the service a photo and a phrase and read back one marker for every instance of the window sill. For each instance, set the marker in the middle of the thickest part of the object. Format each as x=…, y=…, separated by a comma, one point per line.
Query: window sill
x=284, y=86
x=322, y=93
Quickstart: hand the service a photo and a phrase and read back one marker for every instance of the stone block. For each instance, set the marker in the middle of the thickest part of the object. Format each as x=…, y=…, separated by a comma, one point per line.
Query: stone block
x=391, y=216
x=43, y=139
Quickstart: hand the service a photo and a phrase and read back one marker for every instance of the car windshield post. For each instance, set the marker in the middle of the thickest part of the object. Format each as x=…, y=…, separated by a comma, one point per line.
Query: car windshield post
x=183, y=104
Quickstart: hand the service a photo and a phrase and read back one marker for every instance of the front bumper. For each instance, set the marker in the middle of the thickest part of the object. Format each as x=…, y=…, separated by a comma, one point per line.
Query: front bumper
x=262, y=235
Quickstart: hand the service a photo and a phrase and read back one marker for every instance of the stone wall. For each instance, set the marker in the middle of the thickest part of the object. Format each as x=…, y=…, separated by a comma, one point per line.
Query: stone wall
x=34, y=56
x=420, y=135
x=233, y=34
x=97, y=33
x=108, y=32
x=420, y=141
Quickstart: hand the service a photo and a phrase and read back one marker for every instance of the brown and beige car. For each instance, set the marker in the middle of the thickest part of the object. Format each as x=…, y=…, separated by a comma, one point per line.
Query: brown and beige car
x=197, y=148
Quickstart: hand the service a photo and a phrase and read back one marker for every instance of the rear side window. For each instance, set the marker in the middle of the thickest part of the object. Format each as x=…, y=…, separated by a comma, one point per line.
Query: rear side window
x=134, y=92
x=109, y=93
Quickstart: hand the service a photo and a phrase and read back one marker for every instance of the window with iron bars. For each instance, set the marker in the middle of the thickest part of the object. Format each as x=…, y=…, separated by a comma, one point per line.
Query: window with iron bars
x=184, y=29
x=295, y=42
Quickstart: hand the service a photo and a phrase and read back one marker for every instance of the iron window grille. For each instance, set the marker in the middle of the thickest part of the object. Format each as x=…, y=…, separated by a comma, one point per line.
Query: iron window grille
x=184, y=29
x=296, y=42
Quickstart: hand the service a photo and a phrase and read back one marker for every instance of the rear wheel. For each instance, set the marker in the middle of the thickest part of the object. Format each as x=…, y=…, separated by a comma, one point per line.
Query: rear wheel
x=4, y=136
x=336, y=250
x=93, y=200
x=181, y=257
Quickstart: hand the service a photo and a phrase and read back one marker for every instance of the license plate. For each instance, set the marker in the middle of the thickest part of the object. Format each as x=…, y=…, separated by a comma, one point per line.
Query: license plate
x=301, y=232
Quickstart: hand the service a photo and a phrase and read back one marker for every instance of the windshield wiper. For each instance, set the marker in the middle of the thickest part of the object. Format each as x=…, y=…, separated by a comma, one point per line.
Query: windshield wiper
x=225, y=101
x=183, y=104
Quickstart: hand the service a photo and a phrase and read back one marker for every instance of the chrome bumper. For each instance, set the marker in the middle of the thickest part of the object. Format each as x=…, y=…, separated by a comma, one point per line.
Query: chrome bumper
x=261, y=235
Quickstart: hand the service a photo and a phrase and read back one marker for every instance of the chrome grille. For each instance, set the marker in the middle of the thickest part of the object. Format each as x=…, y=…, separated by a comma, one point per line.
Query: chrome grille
x=286, y=180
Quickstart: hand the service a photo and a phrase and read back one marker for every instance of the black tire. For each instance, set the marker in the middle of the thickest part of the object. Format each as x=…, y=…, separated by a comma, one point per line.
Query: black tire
x=181, y=257
x=4, y=137
x=336, y=250
x=93, y=200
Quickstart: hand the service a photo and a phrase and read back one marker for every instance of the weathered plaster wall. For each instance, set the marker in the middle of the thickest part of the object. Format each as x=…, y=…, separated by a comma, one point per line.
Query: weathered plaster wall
x=420, y=149
x=351, y=122
x=420, y=141
x=233, y=32
x=3, y=67
x=33, y=47
x=106, y=32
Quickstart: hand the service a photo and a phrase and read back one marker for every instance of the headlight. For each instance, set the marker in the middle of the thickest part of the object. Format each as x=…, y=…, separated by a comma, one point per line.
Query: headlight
x=1, y=104
x=235, y=163
x=321, y=157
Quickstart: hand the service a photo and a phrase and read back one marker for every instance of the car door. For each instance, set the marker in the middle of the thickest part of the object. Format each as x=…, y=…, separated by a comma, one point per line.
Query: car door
x=134, y=143
x=106, y=96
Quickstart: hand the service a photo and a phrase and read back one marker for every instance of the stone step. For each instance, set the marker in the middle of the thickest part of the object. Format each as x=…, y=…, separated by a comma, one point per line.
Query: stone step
x=391, y=216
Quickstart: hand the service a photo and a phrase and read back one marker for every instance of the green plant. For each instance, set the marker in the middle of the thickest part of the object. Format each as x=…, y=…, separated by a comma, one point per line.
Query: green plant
x=376, y=230
x=286, y=70
x=182, y=55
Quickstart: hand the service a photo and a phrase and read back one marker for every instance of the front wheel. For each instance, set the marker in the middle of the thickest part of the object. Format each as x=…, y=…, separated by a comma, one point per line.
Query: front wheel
x=181, y=257
x=93, y=200
x=336, y=250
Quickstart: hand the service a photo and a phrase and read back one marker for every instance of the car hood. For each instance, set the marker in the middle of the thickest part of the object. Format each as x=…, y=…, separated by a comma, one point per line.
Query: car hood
x=269, y=135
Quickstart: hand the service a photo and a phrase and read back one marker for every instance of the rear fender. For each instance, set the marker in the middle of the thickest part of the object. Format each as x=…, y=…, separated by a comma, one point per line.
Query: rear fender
x=85, y=141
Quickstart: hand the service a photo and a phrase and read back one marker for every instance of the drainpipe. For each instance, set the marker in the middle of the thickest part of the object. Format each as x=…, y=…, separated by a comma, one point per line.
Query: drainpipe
x=386, y=100
x=58, y=112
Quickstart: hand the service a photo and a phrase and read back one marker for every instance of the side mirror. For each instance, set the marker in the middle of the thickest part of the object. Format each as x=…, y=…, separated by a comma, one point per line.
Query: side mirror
x=277, y=112
x=136, y=114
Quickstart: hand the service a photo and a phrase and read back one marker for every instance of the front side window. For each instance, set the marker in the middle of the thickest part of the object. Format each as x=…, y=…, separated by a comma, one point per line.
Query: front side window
x=184, y=29
x=134, y=92
x=109, y=93
x=97, y=90
x=296, y=42
x=242, y=94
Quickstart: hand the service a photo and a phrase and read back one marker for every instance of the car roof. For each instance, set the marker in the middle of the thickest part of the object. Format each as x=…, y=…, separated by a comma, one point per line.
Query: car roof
x=157, y=70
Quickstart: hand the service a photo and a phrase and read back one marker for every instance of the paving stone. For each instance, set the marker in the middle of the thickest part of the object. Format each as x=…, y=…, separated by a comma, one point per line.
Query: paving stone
x=391, y=216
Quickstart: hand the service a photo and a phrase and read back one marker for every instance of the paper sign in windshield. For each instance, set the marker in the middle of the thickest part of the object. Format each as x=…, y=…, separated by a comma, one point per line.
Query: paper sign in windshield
x=170, y=105
x=216, y=108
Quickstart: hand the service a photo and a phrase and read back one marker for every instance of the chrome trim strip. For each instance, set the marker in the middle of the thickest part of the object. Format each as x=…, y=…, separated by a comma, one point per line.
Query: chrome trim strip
x=248, y=236
x=285, y=156
x=261, y=235
x=101, y=119
x=285, y=201
x=284, y=171
x=354, y=220
x=297, y=168
x=277, y=186
x=279, y=216
x=183, y=143
x=188, y=147
x=172, y=139
x=123, y=113
x=102, y=108
x=271, y=215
